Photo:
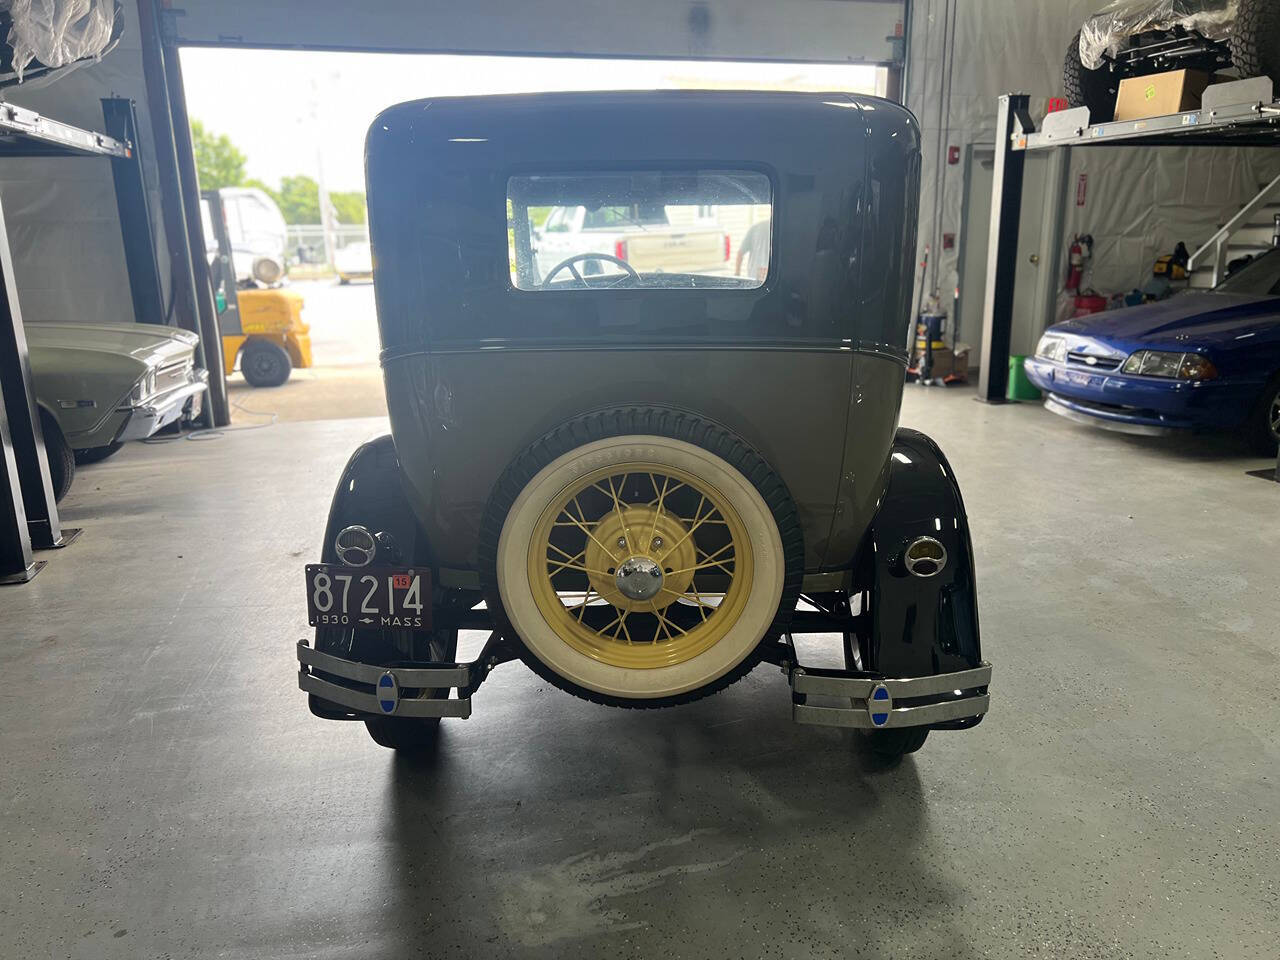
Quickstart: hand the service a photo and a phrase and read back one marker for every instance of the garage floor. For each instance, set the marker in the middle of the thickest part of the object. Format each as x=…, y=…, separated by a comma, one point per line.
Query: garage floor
x=166, y=793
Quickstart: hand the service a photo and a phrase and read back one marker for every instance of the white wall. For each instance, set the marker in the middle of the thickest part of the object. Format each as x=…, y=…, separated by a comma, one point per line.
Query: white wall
x=1140, y=202
x=63, y=227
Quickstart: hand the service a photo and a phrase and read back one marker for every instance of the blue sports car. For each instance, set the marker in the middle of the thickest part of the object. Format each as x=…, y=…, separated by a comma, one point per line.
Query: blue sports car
x=1208, y=359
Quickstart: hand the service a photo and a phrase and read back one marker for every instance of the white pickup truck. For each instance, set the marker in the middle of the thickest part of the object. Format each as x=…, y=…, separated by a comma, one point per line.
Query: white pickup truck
x=641, y=235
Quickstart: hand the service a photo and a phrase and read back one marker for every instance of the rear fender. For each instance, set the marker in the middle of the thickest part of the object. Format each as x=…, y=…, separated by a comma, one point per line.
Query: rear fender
x=919, y=626
x=370, y=494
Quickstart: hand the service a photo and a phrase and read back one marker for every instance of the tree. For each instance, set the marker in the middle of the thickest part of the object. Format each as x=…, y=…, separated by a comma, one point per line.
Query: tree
x=350, y=206
x=299, y=199
x=219, y=162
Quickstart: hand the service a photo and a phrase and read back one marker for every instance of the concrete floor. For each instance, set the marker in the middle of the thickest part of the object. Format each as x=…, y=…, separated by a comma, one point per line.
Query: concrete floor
x=166, y=793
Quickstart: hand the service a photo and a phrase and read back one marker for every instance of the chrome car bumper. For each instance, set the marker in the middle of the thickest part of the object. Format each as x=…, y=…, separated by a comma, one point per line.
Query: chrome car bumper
x=313, y=663
x=145, y=418
x=877, y=704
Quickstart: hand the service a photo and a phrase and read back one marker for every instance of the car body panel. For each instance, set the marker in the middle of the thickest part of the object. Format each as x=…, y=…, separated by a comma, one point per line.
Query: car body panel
x=83, y=374
x=447, y=400
x=807, y=367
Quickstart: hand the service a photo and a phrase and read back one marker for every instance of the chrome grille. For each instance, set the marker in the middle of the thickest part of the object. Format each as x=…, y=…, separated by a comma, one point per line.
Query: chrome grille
x=1098, y=363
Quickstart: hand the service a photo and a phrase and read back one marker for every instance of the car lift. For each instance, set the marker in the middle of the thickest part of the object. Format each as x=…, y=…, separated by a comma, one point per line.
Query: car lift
x=1238, y=113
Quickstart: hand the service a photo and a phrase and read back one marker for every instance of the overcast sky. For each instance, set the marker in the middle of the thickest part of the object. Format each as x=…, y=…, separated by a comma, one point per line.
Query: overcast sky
x=289, y=111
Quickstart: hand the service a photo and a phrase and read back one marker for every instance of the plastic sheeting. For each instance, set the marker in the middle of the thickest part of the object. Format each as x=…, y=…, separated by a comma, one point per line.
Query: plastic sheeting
x=58, y=32
x=1107, y=31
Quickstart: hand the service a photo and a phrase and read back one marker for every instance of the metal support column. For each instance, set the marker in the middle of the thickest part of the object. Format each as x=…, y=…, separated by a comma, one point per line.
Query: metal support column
x=1006, y=209
x=210, y=333
x=24, y=444
x=186, y=291
x=136, y=226
x=16, y=564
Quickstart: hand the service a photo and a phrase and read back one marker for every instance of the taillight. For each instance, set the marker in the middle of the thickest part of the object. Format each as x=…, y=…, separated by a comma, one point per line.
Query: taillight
x=620, y=249
x=726, y=246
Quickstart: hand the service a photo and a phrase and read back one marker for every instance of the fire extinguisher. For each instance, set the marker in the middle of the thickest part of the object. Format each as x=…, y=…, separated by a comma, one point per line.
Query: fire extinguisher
x=1081, y=251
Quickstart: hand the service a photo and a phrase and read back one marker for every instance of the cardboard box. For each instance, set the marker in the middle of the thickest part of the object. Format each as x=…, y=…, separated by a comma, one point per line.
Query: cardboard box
x=1159, y=94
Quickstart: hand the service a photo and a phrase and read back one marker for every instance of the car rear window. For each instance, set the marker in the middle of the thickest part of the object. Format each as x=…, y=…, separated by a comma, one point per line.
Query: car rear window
x=650, y=229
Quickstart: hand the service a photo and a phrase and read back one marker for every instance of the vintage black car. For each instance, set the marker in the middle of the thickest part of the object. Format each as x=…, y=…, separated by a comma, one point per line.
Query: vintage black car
x=644, y=469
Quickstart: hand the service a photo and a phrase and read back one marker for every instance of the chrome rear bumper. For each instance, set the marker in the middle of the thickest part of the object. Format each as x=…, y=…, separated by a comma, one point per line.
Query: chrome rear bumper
x=877, y=703
x=375, y=702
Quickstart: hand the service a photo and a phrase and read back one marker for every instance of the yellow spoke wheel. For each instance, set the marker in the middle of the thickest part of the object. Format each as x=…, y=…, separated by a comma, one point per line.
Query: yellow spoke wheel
x=637, y=568
x=640, y=565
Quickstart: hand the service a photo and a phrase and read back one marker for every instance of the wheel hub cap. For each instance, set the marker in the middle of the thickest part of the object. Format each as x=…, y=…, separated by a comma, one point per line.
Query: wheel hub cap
x=640, y=565
x=639, y=578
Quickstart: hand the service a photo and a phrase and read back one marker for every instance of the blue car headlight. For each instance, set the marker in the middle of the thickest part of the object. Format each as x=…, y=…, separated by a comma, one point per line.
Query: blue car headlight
x=1052, y=348
x=1173, y=366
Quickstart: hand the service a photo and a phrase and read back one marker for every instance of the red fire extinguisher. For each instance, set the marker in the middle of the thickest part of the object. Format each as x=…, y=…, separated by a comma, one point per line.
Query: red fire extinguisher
x=1080, y=252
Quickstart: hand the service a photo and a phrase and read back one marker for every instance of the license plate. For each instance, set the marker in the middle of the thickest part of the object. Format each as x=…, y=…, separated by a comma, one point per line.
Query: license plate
x=368, y=597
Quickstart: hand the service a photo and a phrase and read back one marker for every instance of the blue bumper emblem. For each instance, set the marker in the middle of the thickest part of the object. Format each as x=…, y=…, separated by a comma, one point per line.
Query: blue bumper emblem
x=879, y=703
x=388, y=693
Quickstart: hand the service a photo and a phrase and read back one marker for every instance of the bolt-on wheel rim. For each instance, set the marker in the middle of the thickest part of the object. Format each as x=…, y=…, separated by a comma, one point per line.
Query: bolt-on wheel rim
x=640, y=565
x=1273, y=416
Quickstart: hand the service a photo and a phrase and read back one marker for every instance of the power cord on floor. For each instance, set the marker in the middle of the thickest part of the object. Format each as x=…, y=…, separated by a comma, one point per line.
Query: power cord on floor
x=211, y=433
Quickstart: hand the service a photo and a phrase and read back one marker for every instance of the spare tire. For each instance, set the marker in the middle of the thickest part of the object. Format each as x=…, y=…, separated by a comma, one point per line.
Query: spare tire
x=641, y=556
x=1255, y=41
x=1095, y=89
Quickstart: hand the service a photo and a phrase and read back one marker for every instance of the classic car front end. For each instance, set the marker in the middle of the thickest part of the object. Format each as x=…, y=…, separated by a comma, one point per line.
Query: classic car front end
x=100, y=385
x=643, y=481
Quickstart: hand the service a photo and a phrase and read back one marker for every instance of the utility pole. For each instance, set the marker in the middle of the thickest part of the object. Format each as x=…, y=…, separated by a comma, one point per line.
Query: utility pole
x=326, y=221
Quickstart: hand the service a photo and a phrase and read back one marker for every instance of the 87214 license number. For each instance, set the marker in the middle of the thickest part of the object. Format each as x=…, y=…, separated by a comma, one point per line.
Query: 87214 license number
x=368, y=597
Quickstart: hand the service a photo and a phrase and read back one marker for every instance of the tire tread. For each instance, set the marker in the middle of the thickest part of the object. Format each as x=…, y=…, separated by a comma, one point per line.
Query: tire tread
x=1255, y=41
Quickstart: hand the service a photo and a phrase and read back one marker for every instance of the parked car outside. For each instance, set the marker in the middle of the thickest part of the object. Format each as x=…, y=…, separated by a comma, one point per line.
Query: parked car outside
x=640, y=235
x=100, y=385
x=1202, y=359
x=629, y=479
x=354, y=262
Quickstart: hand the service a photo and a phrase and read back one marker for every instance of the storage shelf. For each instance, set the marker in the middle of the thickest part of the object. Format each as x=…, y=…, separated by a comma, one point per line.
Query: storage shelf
x=25, y=133
x=1241, y=113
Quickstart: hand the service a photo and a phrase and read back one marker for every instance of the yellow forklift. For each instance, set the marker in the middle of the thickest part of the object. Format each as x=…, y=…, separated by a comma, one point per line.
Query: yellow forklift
x=261, y=323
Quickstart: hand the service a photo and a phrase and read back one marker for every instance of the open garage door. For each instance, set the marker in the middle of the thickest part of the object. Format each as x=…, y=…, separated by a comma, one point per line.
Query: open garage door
x=801, y=30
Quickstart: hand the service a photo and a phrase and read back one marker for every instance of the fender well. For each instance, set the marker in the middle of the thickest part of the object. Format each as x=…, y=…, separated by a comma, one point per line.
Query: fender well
x=370, y=493
x=919, y=626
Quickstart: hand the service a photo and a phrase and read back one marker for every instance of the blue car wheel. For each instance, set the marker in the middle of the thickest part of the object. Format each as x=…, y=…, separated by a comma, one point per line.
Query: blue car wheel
x=1264, y=424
